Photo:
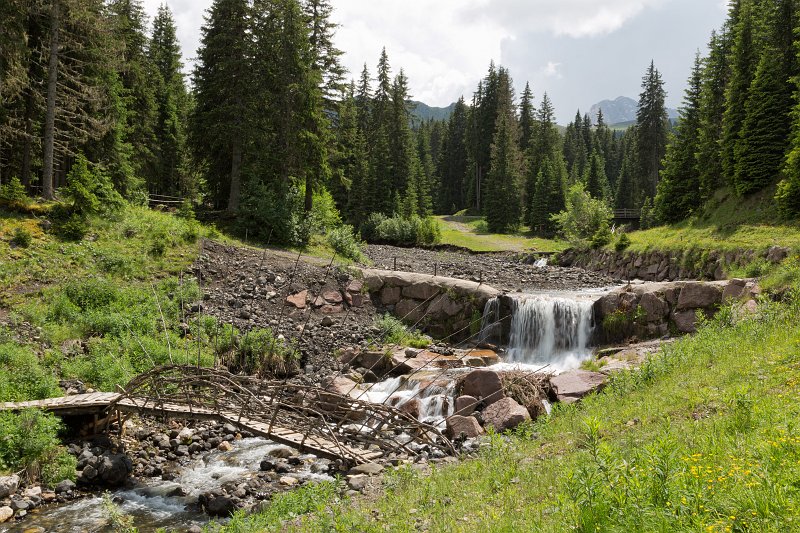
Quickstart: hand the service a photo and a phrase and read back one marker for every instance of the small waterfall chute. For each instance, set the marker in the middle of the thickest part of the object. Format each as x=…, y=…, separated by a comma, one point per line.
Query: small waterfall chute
x=552, y=332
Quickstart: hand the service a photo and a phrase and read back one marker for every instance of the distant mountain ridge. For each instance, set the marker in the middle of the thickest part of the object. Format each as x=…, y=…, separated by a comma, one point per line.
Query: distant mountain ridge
x=621, y=111
x=424, y=112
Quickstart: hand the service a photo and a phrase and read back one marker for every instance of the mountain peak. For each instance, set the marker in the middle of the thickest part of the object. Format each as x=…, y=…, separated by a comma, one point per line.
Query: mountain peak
x=621, y=110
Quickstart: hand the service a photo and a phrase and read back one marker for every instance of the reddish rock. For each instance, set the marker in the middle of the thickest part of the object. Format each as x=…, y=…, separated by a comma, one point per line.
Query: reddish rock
x=298, y=300
x=331, y=309
x=573, y=385
x=466, y=426
x=484, y=385
x=411, y=408
x=355, y=287
x=505, y=414
x=355, y=300
x=342, y=385
x=332, y=296
x=466, y=405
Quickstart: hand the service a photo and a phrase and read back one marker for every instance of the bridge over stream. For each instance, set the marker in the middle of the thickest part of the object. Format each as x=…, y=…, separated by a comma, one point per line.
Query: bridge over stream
x=310, y=419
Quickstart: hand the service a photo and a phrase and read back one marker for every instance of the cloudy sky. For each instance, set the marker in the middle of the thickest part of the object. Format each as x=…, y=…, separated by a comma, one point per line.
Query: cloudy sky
x=578, y=51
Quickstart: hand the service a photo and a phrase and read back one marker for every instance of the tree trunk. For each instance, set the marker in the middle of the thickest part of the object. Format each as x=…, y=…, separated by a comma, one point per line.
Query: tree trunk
x=50, y=117
x=236, y=175
x=308, y=204
x=27, y=147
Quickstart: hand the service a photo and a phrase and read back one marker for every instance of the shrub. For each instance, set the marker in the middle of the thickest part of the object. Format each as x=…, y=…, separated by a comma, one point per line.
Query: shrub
x=393, y=331
x=22, y=237
x=261, y=351
x=159, y=244
x=91, y=293
x=12, y=194
x=73, y=228
x=346, y=243
x=91, y=191
x=622, y=243
x=22, y=377
x=583, y=216
x=272, y=215
x=186, y=210
x=413, y=231
x=30, y=439
x=60, y=465
x=602, y=236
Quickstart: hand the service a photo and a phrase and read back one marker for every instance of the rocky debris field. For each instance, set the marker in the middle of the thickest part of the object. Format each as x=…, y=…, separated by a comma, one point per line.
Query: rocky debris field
x=506, y=271
x=319, y=309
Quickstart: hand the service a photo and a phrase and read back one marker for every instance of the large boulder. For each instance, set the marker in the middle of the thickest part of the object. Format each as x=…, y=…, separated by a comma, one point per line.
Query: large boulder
x=6, y=512
x=217, y=504
x=484, y=385
x=421, y=291
x=113, y=470
x=466, y=405
x=655, y=308
x=685, y=321
x=8, y=485
x=463, y=426
x=505, y=414
x=698, y=295
x=571, y=386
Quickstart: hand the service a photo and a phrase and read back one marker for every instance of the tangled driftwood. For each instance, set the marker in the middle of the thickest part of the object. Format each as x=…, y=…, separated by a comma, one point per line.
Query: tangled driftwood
x=309, y=417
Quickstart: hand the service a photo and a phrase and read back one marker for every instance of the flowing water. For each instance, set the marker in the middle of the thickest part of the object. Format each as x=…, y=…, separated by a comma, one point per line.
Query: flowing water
x=156, y=505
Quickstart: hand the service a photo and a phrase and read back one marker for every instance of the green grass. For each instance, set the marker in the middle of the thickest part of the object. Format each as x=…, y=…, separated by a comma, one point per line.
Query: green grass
x=470, y=233
x=704, y=437
x=728, y=223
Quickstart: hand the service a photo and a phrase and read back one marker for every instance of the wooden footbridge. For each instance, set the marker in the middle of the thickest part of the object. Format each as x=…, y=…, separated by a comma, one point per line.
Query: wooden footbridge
x=310, y=419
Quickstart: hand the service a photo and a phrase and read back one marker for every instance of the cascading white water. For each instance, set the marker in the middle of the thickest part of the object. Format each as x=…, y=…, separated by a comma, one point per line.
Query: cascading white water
x=541, y=263
x=490, y=322
x=550, y=331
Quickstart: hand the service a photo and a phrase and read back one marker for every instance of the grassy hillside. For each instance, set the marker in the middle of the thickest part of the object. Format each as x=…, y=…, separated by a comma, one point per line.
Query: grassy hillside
x=728, y=223
x=471, y=233
x=702, y=438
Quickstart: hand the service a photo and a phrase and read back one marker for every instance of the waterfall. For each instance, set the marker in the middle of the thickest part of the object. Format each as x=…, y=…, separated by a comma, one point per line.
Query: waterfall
x=550, y=331
x=541, y=263
x=490, y=322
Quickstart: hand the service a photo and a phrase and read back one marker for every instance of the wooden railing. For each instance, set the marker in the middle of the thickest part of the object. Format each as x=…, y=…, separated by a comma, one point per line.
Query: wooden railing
x=627, y=214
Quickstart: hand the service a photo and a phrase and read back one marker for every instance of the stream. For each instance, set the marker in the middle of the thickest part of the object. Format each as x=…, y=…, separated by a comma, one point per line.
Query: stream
x=549, y=332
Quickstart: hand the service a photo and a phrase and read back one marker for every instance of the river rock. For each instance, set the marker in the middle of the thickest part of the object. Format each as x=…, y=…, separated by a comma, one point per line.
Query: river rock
x=466, y=405
x=8, y=485
x=573, y=385
x=65, y=486
x=699, y=295
x=466, y=426
x=281, y=452
x=367, y=468
x=288, y=481
x=505, y=414
x=20, y=505
x=218, y=504
x=225, y=446
x=411, y=408
x=358, y=482
x=6, y=512
x=484, y=385
x=113, y=470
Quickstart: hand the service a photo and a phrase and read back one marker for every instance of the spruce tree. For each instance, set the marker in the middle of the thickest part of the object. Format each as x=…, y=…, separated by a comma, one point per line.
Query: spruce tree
x=453, y=162
x=679, y=192
x=503, y=204
x=595, y=177
x=743, y=65
x=548, y=198
x=546, y=144
x=626, y=196
x=526, y=118
x=715, y=76
x=222, y=84
x=171, y=104
x=652, y=126
x=762, y=143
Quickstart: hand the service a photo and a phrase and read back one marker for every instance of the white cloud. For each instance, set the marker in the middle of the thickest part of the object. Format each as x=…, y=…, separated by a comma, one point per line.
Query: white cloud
x=551, y=70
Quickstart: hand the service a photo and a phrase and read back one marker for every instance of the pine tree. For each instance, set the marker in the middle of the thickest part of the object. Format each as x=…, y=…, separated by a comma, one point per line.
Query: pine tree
x=503, y=202
x=171, y=104
x=453, y=162
x=626, y=196
x=595, y=177
x=549, y=197
x=762, y=144
x=679, y=192
x=652, y=126
x=526, y=119
x=743, y=65
x=715, y=76
x=546, y=144
x=14, y=54
x=326, y=60
x=363, y=100
x=222, y=82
